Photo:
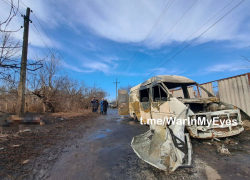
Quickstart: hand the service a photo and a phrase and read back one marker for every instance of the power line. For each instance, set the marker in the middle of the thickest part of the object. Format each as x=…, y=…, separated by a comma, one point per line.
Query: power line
x=23, y=3
x=52, y=42
x=40, y=36
x=42, y=39
x=177, y=22
x=192, y=34
x=170, y=30
x=197, y=37
x=149, y=33
x=151, y=30
x=38, y=32
x=47, y=35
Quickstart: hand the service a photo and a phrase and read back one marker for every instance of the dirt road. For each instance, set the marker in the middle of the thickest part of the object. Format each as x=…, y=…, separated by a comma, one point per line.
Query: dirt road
x=99, y=148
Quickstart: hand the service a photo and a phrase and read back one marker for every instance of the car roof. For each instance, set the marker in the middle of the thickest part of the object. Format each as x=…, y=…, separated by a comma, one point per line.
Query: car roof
x=164, y=78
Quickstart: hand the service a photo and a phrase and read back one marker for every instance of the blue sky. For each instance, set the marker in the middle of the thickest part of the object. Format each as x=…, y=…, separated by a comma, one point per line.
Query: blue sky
x=99, y=38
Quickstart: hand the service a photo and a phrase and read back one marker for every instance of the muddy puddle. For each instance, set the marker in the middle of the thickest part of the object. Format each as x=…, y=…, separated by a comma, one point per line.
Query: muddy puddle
x=100, y=135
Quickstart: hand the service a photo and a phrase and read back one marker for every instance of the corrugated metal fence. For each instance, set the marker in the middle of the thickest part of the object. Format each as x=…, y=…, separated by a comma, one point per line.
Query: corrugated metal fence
x=233, y=90
x=207, y=86
x=236, y=91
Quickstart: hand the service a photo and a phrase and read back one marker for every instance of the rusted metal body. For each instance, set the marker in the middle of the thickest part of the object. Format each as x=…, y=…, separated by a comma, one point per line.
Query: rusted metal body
x=169, y=96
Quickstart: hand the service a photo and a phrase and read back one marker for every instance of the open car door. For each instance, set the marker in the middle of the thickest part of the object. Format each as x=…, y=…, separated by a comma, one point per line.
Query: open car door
x=123, y=102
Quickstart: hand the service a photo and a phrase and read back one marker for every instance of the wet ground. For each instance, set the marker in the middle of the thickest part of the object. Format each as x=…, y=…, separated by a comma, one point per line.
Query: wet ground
x=105, y=153
x=99, y=148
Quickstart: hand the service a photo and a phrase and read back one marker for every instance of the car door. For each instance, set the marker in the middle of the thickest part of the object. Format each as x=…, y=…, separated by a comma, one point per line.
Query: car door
x=160, y=106
x=171, y=106
x=145, y=105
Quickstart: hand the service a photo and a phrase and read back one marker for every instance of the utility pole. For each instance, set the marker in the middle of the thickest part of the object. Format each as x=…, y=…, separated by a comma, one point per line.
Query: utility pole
x=21, y=86
x=116, y=90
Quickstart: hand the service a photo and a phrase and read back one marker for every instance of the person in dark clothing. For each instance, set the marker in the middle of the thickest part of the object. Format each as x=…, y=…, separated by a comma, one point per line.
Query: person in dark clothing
x=96, y=105
x=105, y=106
x=93, y=101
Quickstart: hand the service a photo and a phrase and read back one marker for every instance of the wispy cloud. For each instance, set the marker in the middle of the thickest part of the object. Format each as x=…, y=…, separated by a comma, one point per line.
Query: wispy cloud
x=106, y=68
x=130, y=21
x=109, y=59
x=39, y=8
x=75, y=68
x=165, y=71
x=235, y=66
x=97, y=66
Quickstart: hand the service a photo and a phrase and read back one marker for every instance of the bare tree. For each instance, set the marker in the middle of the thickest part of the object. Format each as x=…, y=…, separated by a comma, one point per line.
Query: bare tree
x=50, y=90
x=10, y=56
x=45, y=81
x=58, y=92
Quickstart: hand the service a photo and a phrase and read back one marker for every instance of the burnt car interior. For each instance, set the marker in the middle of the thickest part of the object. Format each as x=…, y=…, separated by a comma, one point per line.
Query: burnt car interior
x=159, y=94
x=176, y=86
x=197, y=105
x=144, y=95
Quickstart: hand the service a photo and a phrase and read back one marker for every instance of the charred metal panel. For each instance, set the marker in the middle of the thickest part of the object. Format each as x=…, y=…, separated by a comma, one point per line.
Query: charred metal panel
x=145, y=111
x=236, y=91
x=207, y=86
x=160, y=110
x=134, y=106
x=168, y=78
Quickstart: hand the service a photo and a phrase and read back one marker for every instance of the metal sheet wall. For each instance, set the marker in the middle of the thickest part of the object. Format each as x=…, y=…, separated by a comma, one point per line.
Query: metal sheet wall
x=207, y=86
x=236, y=91
x=191, y=92
x=178, y=93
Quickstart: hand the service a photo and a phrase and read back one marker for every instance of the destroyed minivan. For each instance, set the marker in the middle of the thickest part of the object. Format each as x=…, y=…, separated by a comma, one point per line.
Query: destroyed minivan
x=167, y=146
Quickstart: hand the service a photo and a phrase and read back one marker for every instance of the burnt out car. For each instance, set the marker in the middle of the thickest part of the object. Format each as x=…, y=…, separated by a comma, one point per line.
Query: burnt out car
x=154, y=102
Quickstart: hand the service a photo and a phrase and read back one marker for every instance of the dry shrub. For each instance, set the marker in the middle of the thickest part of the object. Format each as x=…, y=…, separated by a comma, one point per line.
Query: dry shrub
x=49, y=90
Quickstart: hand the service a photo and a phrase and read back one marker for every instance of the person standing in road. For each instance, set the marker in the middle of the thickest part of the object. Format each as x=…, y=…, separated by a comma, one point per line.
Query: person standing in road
x=105, y=106
x=93, y=101
x=96, y=105
x=101, y=104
